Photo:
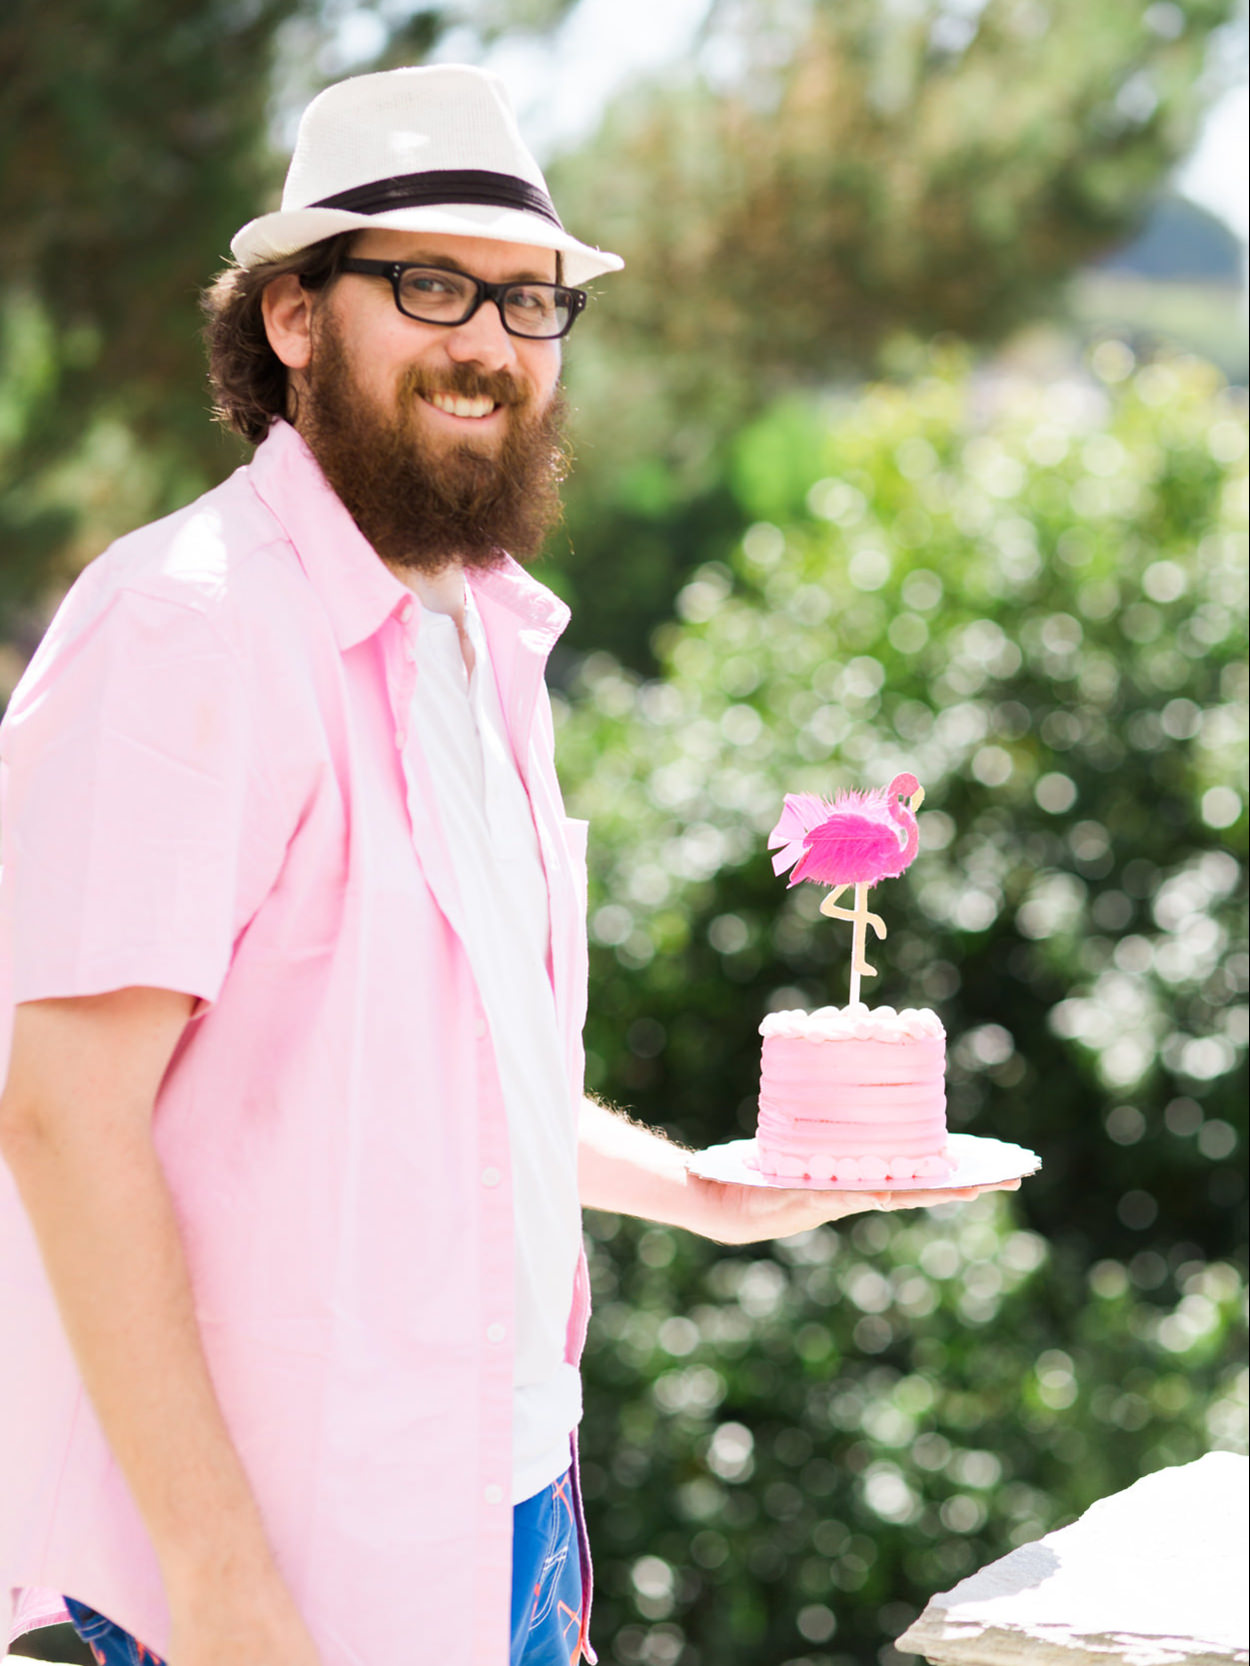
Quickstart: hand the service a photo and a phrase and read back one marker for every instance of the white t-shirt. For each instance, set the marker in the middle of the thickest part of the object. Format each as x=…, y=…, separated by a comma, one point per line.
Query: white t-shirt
x=489, y=827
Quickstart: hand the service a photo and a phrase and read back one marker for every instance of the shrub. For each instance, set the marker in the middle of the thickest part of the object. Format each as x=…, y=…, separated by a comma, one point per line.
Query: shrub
x=1033, y=597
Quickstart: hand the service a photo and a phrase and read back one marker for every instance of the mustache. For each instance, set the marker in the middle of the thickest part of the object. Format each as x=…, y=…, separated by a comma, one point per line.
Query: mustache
x=464, y=381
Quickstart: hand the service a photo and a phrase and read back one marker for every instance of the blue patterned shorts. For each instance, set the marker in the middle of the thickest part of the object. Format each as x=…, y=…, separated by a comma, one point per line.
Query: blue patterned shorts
x=546, y=1579
x=110, y=1645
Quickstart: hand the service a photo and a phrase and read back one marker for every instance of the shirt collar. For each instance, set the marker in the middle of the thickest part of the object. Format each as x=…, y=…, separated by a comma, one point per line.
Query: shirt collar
x=357, y=587
x=541, y=613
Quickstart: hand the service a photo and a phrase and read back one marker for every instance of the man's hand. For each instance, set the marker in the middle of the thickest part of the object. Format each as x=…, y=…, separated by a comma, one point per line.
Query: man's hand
x=733, y=1214
x=636, y=1171
x=246, y=1621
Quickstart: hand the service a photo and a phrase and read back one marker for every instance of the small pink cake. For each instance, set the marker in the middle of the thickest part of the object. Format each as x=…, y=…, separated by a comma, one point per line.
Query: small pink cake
x=853, y=1094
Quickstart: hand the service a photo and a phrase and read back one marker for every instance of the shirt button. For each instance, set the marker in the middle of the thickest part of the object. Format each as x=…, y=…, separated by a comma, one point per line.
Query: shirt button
x=406, y=611
x=491, y=1177
x=496, y=1333
x=401, y=738
x=494, y=1495
x=479, y=1027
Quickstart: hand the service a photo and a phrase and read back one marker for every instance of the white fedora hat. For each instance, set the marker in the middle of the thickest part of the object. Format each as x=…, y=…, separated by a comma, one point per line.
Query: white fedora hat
x=432, y=149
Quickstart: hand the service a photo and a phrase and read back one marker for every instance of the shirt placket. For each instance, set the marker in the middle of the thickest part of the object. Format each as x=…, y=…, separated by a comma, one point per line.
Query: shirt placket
x=493, y=1166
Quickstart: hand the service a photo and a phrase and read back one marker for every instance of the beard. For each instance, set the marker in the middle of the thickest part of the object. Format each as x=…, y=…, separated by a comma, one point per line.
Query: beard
x=425, y=506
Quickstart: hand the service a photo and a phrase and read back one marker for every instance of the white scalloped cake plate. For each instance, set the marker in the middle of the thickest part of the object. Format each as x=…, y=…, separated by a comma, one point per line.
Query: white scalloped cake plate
x=979, y=1161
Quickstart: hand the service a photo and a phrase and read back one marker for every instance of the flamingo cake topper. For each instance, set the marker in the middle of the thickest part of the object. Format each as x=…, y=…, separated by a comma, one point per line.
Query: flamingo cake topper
x=859, y=839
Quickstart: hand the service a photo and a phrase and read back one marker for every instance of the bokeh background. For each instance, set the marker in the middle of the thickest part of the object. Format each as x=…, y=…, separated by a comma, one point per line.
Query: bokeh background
x=914, y=435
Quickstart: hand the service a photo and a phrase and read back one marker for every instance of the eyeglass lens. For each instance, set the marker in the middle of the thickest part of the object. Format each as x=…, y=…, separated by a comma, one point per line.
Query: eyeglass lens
x=437, y=297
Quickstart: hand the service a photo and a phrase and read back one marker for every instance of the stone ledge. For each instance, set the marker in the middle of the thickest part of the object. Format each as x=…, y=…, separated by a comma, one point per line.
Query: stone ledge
x=1153, y=1576
x=955, y=1645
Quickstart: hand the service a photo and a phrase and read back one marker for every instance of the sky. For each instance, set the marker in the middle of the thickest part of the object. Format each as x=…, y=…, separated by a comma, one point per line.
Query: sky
x=1216, y=174
x=560, y=87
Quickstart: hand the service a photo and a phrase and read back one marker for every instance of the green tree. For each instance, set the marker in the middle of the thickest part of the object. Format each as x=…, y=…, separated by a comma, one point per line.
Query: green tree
x=1033, y=597
x=874, y=168
x=129, y=156
x=846, y=171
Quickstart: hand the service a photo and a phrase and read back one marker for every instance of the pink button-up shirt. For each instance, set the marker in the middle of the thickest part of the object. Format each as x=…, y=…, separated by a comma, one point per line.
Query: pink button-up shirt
x=207, y=788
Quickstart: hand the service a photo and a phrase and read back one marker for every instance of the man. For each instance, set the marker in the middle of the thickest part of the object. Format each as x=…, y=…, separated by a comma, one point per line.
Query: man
x=292, y=938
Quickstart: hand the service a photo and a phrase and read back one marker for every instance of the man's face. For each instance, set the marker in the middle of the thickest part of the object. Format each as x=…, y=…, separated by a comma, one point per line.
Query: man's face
x=381, y=344
x=443, y=441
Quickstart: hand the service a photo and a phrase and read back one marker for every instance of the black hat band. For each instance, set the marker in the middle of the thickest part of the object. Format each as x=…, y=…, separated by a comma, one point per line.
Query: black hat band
x=442, y=186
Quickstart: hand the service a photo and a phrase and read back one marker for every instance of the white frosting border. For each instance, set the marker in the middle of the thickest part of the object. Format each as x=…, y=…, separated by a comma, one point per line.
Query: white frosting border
x=855, y=1023
x=821, y=1166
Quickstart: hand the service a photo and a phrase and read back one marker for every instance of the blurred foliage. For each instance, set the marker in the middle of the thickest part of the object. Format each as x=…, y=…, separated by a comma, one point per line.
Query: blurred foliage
x=128, y=153
x=129, y=156
x=1032, y=595
x=1205, y=318
x=867, y=168
x=493, y=18
x=843, y=172
x=786, y=1453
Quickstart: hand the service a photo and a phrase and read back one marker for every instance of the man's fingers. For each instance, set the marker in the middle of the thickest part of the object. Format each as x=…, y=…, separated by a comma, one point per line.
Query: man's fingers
x=952, y=1194
x=929, y=1200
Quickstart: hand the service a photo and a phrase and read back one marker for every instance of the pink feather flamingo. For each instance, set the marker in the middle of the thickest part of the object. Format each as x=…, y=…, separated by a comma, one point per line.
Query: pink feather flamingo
x=859, y=839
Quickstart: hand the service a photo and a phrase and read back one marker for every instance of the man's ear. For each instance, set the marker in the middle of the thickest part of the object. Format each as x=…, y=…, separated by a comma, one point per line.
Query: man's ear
x=287, y=309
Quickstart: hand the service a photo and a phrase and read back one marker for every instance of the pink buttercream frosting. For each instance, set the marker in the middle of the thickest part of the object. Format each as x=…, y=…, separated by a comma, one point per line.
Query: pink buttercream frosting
x=853, y=1094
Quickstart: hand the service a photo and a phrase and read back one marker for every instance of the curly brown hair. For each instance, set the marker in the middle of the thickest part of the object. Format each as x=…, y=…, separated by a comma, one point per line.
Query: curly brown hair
x=248, y=378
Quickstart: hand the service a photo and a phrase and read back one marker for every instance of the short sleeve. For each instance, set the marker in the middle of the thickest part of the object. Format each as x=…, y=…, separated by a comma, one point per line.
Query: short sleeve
x=131, y=830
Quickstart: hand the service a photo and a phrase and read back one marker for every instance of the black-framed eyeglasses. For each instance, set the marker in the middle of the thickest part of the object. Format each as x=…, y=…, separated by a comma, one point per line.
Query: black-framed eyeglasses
x=434, y=295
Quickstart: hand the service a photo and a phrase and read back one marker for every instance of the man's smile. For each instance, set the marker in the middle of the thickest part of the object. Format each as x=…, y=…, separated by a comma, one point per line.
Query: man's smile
x=462, y=405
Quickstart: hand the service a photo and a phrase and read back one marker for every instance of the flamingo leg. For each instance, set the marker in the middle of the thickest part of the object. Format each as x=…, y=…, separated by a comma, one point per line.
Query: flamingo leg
x=830, y=907
x=862, y=921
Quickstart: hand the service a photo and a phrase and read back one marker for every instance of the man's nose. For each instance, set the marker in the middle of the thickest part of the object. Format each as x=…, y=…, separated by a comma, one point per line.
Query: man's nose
x=482, y=340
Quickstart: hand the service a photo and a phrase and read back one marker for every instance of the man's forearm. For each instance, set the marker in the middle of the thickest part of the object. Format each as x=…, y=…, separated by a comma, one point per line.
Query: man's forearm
x=101, y=1210
x=633, y=1170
